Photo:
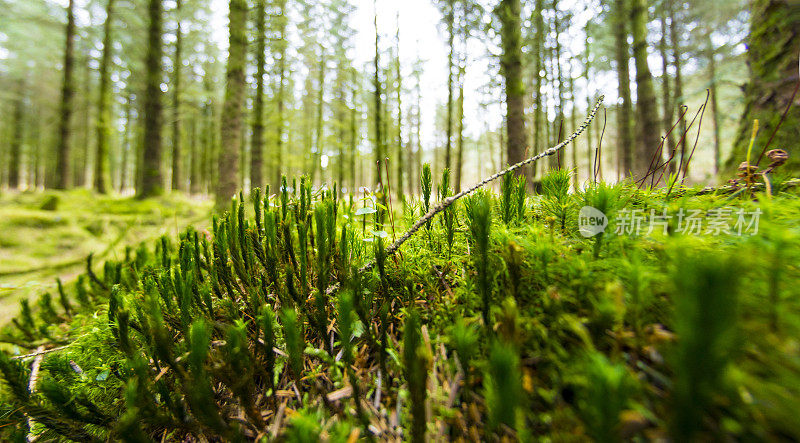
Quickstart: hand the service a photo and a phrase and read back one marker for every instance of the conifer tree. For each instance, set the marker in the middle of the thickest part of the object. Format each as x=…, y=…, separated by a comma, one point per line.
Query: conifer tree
x=508, y=11
x=151, y=173
x=231, y=129
x=647, y=146
x=64, y=164
x=103, y=106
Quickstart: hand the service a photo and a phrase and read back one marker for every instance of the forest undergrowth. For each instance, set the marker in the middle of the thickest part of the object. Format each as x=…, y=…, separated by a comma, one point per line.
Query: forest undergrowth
x=498, y=320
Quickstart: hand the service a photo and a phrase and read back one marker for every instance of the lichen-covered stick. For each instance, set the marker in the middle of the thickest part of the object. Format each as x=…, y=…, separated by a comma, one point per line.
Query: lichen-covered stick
x=391, y=249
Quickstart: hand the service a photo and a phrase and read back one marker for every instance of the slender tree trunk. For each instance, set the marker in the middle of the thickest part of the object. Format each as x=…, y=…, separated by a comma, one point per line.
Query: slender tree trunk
x=712, y=79
x=418, y=128
x=257, y=149
x=538, y=54
x=194, y=153
x=231, y=130
x=646, y=111
x=622, y=53
x=460, y=133
x=152, y=167
x=773, y=43
x=379, y=150
x=573, y=124
x=674, y=27
x=126, y=145
x=104, y=107
x=667, y=100
x=589, y=150
x=18, y=129
x=63, y=166
x=177, y=77
x=511, y=65
x=279, y=125
x=353, y=135
x=399, y=90
x=554, y=160
x=318, y=121
x=450, y=18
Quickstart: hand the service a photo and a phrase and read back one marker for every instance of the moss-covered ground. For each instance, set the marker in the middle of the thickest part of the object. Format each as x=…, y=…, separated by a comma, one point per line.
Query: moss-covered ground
x=498, y=321
x=49, y=235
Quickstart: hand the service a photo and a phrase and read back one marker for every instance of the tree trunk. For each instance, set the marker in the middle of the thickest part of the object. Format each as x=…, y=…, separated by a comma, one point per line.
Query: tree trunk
x=104, y=107
x=177, y=173
x=622, y=53
x=555, y=160
x=648, y=143
x=774, y=43
x=573, y=124
x=318, y=121
x=353, y=135
x=511, y=64
x=460, y=133
x=537, y=72
x=15, y=147
x=279, y=125
x=399, y=167
x=667, y=100
x=589, y=150
x=674, y=29
x=126, y=145
x=63, y=167
x=379, y=151
x=232, y=110
x=257, y=148
x=450, y=66
x=152, y=178
x=712, y=80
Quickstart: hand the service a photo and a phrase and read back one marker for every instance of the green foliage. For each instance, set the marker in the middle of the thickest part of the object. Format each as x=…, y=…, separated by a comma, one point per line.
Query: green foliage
x=604, y=198
x=603, y=397
x=479, y=208
x=705, y=319
x=512, y=199
x=415, y=362
x=503, y=386
x=555, y=193
x=182, y=338
x=448, y=215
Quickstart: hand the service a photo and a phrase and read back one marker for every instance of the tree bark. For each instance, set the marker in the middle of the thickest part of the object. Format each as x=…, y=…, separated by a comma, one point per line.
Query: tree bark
x=674, y=29
x=667, y=100
x=379, y=150
x=232, y=110
x=127, y=150
x=460, y=133
x=257, y=148
x=15, y=147
x=177, y=163
x=450, y=19
x=511, y=64
x=63, y=167
x=712, y=80
x=152, y=178
x=648, y=143
x=774, y=43
x=622, y=53
x=399, y=163
x=537, y=72
x=280, y=105
x=104, y=107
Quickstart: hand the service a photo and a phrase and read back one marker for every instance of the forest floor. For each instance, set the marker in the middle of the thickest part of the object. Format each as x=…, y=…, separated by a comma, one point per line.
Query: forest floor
x=48, y=235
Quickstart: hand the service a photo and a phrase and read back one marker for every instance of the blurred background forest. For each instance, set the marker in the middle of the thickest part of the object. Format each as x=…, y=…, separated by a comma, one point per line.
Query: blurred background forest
x=210, y=96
